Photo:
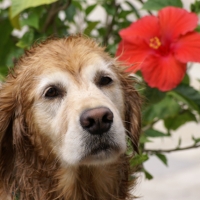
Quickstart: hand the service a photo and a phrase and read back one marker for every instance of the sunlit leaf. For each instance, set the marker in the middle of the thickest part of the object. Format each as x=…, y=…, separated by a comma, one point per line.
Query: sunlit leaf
x=18, y=6
x=139, y=159
x=14, y=20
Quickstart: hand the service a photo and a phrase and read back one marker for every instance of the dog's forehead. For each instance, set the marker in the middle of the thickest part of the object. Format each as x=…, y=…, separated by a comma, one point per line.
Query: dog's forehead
x=56, y=74
x=72, y=56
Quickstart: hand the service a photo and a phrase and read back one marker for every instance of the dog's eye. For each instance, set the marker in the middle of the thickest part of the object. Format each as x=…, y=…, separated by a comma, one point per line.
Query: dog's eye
x=105, y=80
x=51, y=92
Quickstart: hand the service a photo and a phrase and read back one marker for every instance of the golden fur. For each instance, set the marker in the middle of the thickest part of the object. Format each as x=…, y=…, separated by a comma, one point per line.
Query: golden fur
x=30, y=165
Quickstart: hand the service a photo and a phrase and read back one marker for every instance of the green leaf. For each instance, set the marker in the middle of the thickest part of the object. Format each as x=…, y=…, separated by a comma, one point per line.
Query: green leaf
x=154, y=133
x=158, y=4
x=147, y=174
x=163, y=109
x=15, y=20
x=32, y=20
x=139, y=159
x=195, y=7
x=109, y=9
x=90, y=8
x=188, y=95
x=196, y=140
x=70, y=12
x=123, y=14
x=133, y=9
x=186, y=80
x=144, y=139
x=27, y=40
x=77, y=4
x=173, y=123
x=90, y=27
x=18, y=6
x=153, y=95
x=162, y=157
x=5, y=42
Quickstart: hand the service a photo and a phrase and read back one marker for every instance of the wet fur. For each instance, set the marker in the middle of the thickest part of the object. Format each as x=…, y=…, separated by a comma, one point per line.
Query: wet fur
x=27, y=166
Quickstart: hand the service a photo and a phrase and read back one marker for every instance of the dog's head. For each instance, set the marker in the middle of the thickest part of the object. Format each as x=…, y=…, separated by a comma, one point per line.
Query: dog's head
x=68, y=98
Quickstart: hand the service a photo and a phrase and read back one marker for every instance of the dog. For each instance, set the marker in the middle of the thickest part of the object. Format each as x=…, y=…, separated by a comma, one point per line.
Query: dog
x=67, y=112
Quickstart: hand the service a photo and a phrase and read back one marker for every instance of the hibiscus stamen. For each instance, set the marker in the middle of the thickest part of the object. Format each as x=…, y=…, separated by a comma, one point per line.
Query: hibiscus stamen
x=154, y=43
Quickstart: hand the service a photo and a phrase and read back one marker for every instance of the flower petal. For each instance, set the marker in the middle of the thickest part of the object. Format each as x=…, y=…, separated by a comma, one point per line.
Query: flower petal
x=164, y=73
x=133, y=53
x=187, y=48
x=146, y=27
x=175, y=22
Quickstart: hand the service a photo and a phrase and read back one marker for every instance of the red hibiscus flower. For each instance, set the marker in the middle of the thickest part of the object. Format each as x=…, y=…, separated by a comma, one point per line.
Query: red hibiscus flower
x=161, y=46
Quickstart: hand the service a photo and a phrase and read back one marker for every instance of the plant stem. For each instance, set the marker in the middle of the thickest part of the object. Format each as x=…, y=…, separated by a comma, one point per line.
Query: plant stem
x=110, y=25
x=153, y=151
x=53, y=11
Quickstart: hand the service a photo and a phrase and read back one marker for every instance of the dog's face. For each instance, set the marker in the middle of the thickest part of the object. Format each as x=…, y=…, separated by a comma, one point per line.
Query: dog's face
x=70, y=99
x=82, y=112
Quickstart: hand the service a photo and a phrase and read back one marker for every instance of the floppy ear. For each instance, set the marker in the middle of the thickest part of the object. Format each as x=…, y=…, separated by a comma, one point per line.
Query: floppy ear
x=7, y=107
x=132, y=102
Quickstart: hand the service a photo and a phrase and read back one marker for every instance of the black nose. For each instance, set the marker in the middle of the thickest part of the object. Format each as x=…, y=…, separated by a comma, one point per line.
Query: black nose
x=97, y=120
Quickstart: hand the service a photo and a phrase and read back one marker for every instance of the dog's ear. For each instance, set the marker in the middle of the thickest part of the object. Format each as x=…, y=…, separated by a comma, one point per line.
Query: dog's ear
x=7, y=108
x=132, y=102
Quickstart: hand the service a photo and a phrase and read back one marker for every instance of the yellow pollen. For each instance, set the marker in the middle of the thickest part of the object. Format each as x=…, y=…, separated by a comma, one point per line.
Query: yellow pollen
x=154, y=43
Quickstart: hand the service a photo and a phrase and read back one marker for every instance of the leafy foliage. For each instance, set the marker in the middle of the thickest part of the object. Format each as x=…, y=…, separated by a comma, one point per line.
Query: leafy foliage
x=40, y=19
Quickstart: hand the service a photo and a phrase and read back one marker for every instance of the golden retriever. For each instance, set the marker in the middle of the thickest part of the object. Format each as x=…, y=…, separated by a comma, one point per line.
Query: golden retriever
x=66, y=111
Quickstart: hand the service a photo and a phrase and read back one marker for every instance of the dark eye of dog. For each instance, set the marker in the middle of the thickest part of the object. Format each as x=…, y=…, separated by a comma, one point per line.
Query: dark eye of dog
x=105, y=80
x=52, y=92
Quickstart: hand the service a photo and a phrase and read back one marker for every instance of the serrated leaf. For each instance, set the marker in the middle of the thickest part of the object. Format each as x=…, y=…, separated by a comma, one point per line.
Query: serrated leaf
x=162, y=157
x=18, y=6
x=139, y=159
x=173, y=123
x=159, y=4
x=154, y=133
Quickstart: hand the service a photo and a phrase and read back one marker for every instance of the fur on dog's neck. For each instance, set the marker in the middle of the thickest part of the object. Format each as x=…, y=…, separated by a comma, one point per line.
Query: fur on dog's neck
x=41, y=178
x=95, y=182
